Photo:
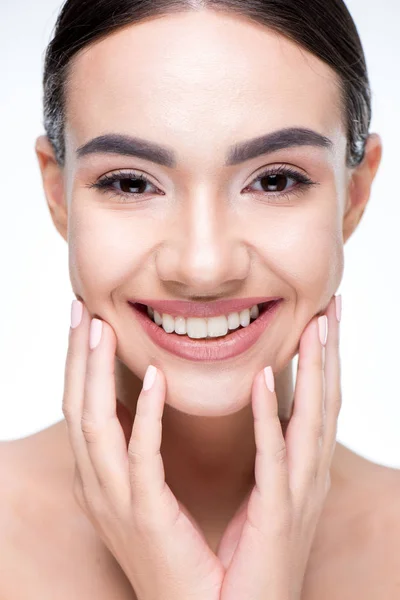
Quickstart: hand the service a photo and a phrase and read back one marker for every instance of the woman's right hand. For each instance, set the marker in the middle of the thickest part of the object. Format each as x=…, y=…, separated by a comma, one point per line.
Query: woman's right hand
x=120, y=483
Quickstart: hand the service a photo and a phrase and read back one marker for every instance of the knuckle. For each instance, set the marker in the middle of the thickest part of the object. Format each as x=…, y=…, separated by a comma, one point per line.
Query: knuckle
x=337, y=404
x=90, y=428
x=68, y=412
x=136, y=458
x=280, y=455
x=317, y=429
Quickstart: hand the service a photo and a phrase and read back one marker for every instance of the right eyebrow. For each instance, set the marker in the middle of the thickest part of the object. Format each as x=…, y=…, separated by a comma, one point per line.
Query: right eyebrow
x=126, y=145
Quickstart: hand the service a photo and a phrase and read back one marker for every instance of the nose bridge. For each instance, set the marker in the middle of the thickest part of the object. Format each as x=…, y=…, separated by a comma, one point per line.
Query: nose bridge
x=206, y=249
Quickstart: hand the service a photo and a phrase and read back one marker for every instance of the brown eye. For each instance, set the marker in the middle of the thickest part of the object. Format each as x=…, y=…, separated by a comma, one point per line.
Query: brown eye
x=131, y=185
x=124, y=185
x=274, y=183
x=277, y=182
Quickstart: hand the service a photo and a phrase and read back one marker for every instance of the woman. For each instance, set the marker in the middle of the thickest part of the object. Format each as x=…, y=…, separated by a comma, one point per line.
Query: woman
x=162, y=121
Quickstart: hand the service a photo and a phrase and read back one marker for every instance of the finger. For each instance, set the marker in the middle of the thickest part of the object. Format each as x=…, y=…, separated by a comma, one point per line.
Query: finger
x=104, y=435
x=74, y=387
x=271, y=473
x=147, y=474
x=333, y=393
x=305, y=429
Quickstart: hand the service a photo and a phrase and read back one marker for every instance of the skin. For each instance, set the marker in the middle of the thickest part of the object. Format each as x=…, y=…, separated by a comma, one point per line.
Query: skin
x=202, y=236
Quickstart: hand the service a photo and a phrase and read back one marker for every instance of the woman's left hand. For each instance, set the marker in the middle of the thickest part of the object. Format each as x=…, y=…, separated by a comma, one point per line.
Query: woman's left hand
x=266, y=546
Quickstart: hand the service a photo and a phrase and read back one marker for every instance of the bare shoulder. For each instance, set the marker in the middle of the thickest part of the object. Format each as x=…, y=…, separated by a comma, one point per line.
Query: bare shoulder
x=34, y=469
x=356, y=550
x=388, y=499
x=373, y=522
x=18, y=504
x=376, y=534
x=48, y=547
x=31, y=506
x=32, y=475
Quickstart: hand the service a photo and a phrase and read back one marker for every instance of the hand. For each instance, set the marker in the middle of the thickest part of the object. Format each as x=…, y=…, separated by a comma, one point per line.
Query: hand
x=266, y=546
x=119, y=482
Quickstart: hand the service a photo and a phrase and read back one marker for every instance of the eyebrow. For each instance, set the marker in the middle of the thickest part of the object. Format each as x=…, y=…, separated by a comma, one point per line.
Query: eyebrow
x=271, y=142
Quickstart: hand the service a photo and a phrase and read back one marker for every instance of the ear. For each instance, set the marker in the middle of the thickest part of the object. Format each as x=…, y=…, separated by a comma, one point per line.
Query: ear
x=53, y=184
x=360, y=185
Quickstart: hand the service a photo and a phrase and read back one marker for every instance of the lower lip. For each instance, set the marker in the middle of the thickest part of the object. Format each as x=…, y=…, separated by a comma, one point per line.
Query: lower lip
x=206, y=349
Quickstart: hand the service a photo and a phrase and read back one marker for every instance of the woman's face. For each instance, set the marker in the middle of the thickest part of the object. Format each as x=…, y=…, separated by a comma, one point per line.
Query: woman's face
x=199, y=83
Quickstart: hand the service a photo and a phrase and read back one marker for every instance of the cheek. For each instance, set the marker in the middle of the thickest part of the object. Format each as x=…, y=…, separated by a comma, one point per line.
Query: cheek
x=105, y=250
x=308, y=255
x=316, y=263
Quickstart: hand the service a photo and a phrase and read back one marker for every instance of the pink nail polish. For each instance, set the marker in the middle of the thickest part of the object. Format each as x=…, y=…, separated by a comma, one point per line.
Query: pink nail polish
x=338, y=301
x=149, y=378
x=323, y=329
x=76, y=313
x=96, y=327
x=269, y=379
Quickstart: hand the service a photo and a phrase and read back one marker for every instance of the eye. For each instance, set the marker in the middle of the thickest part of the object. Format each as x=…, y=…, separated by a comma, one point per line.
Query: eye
x=125, y=184
x=276, y=179
x=129, y=184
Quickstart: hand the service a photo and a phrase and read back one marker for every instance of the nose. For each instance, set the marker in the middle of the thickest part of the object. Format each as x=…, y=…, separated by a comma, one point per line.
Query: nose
x=205, y=249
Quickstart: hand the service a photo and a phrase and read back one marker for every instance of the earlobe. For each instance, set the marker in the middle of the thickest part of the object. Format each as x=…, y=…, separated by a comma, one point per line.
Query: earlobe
x=359, y=189
x=53, y=184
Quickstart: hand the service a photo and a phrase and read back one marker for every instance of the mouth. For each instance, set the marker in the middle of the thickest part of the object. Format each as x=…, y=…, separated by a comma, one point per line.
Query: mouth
x=149, y=313
x=234, y=342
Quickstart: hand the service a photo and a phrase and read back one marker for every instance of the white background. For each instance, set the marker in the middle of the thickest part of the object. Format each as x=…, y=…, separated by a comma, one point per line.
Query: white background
x=35, y=288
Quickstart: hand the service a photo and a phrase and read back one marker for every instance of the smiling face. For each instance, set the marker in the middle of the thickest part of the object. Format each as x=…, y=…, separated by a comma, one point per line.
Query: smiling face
x=199, y=83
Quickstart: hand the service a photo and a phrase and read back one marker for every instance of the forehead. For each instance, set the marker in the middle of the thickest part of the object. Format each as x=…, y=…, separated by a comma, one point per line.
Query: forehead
x=196, y=79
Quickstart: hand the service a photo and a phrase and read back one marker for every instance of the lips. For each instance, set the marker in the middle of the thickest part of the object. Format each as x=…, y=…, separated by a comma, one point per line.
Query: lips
x=208, y=349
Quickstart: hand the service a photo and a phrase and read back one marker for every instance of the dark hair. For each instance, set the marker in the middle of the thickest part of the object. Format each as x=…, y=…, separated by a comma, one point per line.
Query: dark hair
x=323, y=27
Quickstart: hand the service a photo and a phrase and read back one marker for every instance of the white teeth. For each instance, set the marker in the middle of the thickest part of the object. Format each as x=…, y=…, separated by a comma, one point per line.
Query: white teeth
x=217, y=326
x=204, y=328
x=244, y=316
x=168, y=323
x=196, y=328
x=233, y=321
x=180, y=325
x=157, y=318
x=254, y=312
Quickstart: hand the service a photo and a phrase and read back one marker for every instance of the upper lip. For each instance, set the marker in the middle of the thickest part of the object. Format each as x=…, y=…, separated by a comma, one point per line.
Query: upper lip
x=184, y=308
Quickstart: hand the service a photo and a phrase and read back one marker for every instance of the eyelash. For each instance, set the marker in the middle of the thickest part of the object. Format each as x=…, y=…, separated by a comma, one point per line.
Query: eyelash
x=105, y=184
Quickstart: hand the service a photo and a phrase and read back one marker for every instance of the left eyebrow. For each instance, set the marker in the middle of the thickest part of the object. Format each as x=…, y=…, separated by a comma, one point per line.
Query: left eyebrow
x=271, y=142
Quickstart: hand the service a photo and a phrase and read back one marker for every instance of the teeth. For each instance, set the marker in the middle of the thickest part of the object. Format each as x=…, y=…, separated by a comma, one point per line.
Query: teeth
x=254, y=312
x=233, y=321
x=244, y=316
x=196, y=328
x=217, y=326
x=168, y=323
x=180, y=325
x=202, y=328
x=157, y=318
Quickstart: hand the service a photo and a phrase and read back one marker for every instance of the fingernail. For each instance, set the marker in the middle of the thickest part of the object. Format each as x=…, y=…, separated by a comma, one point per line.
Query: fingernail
x=96, y=327
x=76, y=313
x=269, y=378
x=323, y=329
x=338, y=301
x=149, y=377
